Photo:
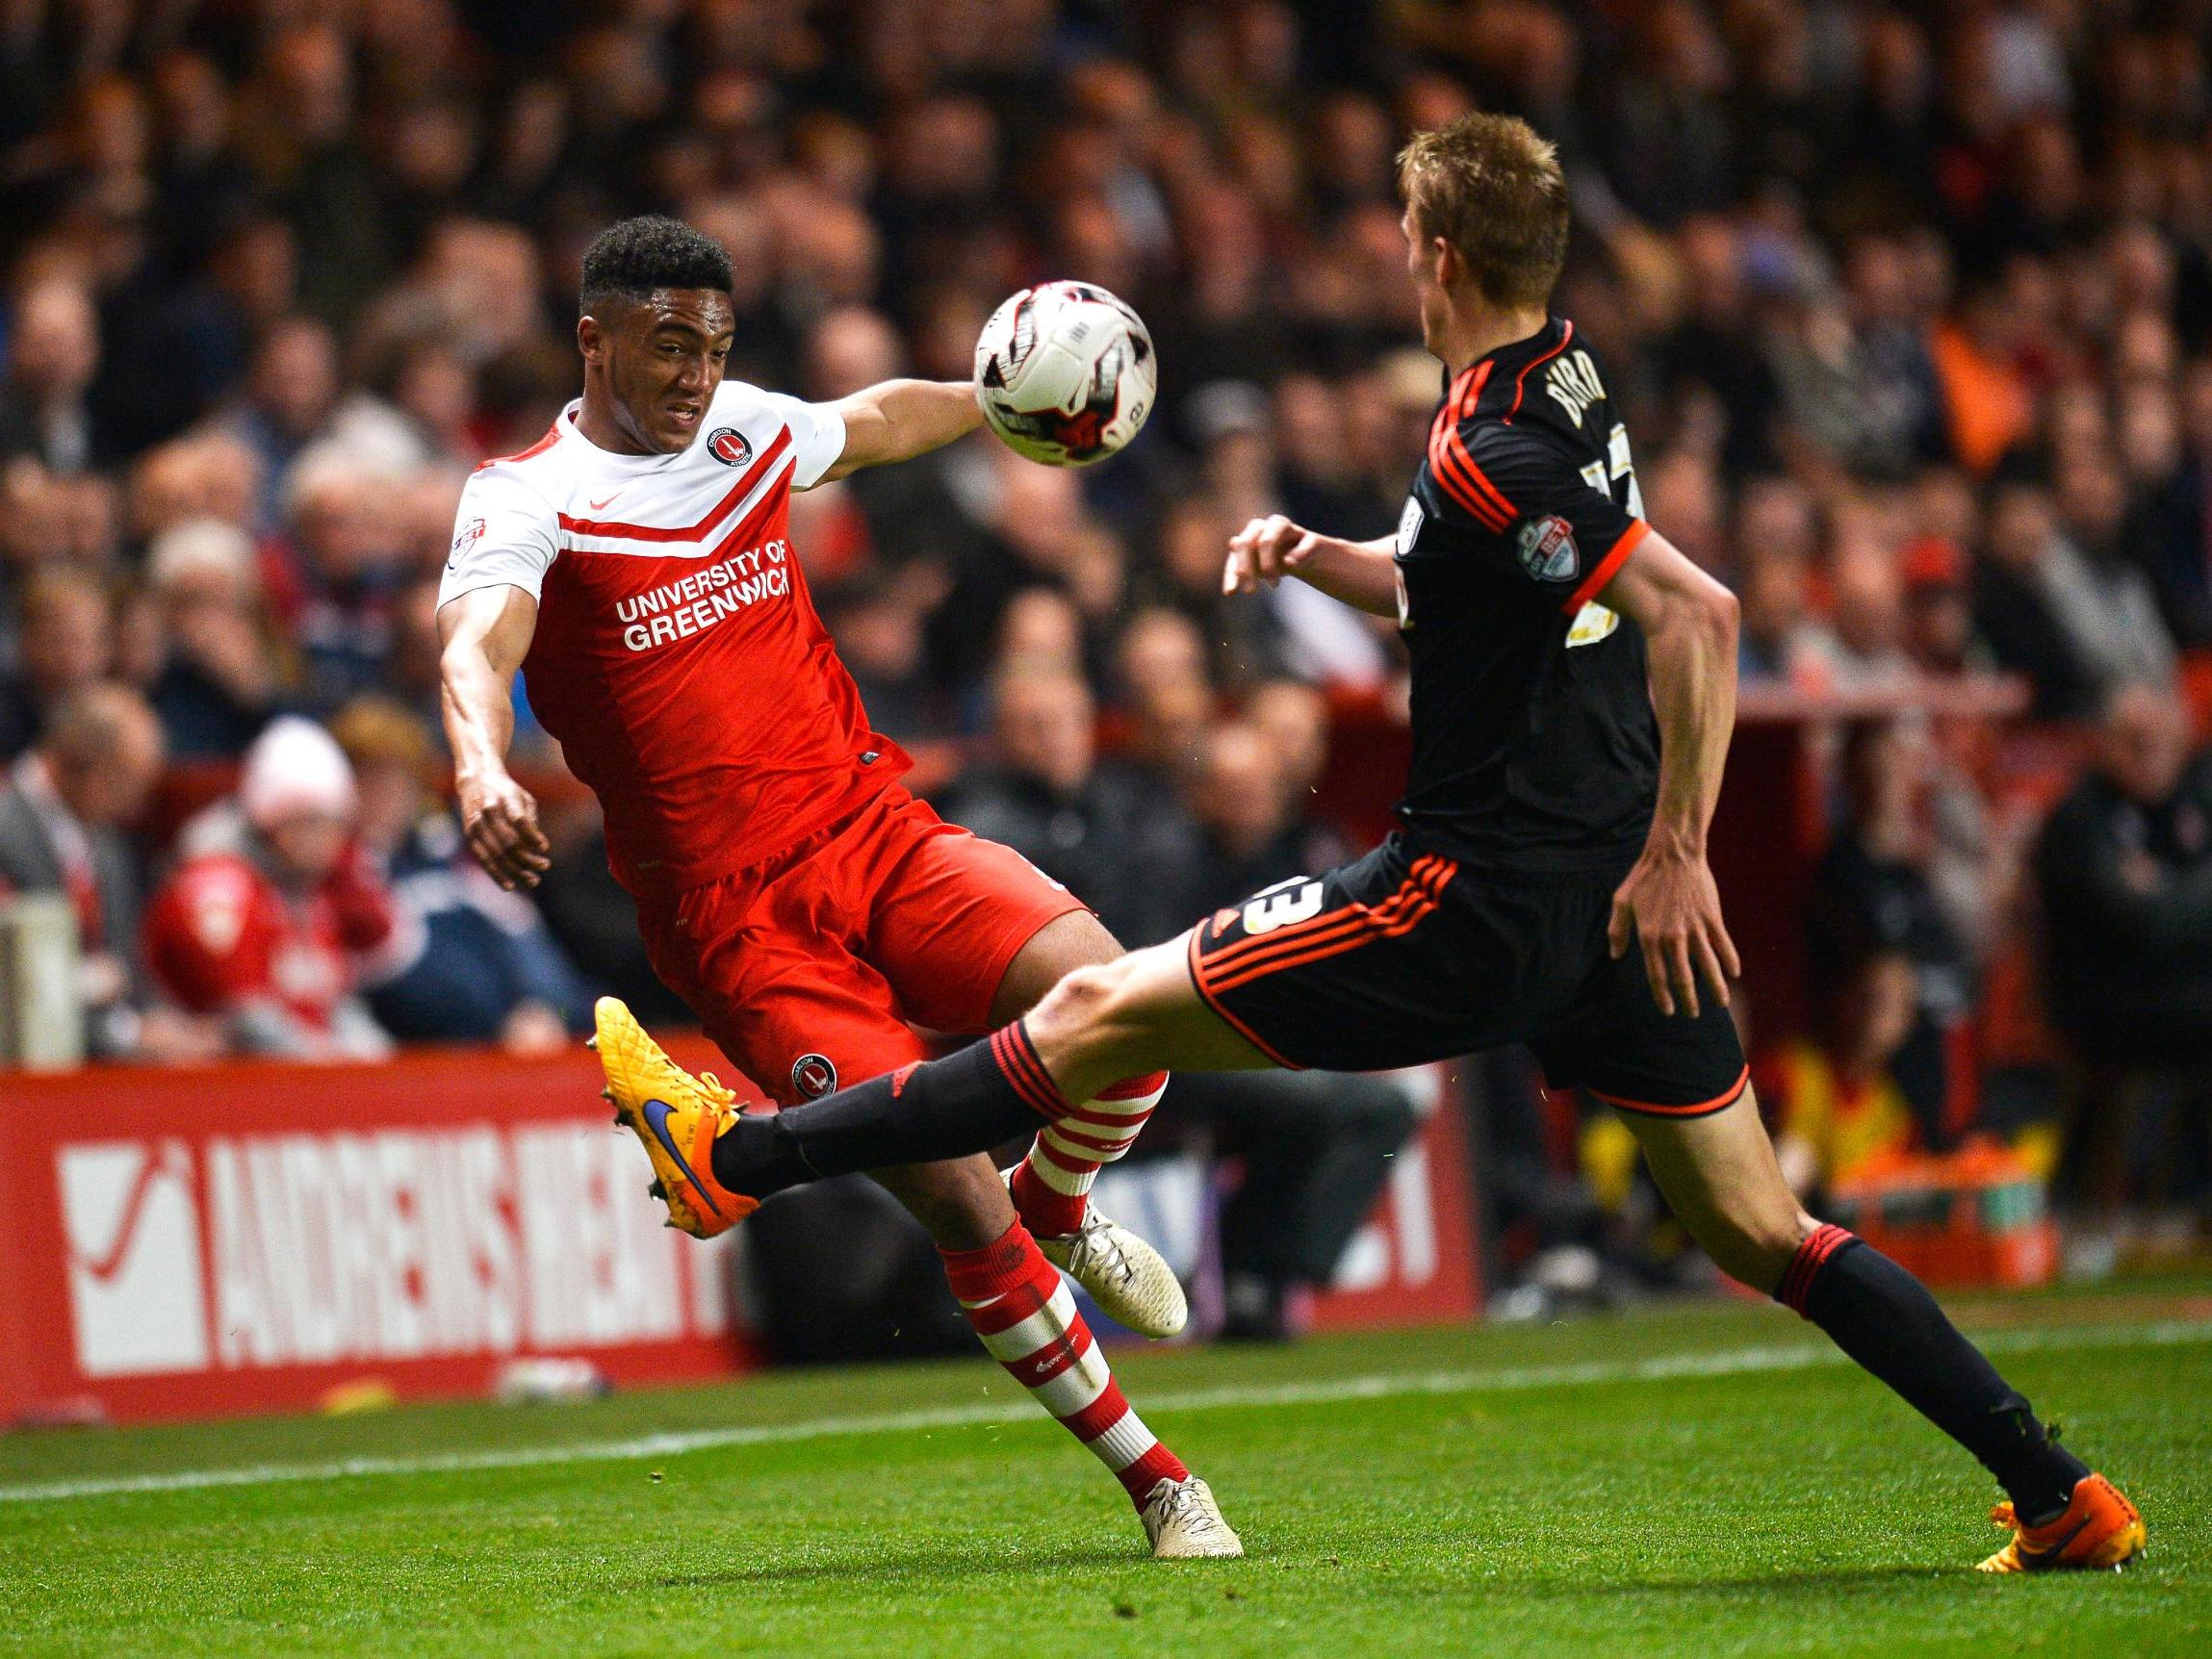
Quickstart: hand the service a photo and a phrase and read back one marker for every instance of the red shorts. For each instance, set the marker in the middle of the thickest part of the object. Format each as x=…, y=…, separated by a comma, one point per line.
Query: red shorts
x=808, y=968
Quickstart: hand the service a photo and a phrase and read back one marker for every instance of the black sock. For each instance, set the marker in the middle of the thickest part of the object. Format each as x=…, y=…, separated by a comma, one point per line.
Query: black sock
x=967, y=1103
x=1884, y=1319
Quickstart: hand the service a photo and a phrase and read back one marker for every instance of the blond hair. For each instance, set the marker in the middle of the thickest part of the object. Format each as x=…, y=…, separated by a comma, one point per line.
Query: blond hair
x=1493, y=189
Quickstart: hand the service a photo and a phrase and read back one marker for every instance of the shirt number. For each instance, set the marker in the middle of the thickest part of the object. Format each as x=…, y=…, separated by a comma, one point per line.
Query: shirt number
x=1600, y=475
x=1286, y=901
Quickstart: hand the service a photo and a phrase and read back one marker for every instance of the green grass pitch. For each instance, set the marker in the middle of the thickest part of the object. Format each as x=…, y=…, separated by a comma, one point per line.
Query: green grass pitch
x=1698, y=1481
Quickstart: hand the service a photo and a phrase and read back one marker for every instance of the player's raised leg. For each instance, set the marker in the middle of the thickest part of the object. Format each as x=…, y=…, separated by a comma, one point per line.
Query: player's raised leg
x=1097, y=1027
x=1720, y=1174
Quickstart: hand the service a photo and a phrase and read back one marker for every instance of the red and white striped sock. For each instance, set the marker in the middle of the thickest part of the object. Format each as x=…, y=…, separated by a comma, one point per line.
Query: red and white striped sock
x=1026, y=1317
x=1052, y=1185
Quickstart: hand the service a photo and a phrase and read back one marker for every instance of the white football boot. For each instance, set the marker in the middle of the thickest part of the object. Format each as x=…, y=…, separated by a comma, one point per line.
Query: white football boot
x=1128, y=1278
x=1185, y=1523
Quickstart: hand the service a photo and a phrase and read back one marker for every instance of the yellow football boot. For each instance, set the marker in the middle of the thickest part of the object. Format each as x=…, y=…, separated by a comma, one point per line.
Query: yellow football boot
x=2100, y=1530
x=676, y=1116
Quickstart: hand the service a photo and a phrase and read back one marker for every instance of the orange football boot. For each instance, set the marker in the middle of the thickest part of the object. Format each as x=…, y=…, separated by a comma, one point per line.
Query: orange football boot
x=2099, y=1529
x=674, y=1116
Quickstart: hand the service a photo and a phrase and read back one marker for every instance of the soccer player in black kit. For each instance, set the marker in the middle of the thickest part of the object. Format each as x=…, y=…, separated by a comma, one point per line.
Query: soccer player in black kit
x=1573, y=688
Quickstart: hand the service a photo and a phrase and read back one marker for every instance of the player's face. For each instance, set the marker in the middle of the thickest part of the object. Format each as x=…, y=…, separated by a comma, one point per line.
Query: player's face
x=1424, y=265
x=663, y=359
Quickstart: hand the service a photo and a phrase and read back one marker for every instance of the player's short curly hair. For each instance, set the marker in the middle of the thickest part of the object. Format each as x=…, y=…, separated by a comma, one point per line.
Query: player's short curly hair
x=1493, y=189
x=630, y=259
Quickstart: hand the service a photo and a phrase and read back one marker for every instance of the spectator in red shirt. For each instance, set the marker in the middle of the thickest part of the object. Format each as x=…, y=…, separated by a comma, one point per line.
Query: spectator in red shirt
x=275, y=917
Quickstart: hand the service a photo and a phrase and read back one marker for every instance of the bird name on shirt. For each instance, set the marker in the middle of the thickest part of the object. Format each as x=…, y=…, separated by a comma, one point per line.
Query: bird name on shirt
x=1574, y=385
x=693, y=603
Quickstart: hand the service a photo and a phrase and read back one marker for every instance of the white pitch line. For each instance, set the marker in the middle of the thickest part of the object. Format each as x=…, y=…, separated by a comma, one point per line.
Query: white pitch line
x=1727, y=1362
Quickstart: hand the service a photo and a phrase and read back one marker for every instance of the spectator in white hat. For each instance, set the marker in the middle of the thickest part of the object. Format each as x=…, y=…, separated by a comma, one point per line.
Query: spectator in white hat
x=276, y=917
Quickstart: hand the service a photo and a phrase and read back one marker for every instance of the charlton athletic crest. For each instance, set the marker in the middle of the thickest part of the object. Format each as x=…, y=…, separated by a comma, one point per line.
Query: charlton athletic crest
x=813, y=1076
x=728, y=445
x=1547, y=548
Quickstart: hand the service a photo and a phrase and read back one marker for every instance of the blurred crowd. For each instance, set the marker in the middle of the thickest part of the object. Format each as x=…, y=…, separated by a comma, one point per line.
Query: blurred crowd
x=1909, y=310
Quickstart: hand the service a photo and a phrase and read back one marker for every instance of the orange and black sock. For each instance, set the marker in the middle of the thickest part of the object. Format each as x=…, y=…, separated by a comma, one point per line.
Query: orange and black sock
x=1884, y=1319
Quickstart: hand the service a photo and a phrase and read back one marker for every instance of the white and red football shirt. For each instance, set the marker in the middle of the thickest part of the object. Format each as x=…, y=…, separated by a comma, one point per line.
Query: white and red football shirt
x=678, y=658
x=221, y=936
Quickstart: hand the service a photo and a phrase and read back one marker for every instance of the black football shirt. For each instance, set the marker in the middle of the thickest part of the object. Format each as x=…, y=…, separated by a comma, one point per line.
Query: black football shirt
x=1534, y=744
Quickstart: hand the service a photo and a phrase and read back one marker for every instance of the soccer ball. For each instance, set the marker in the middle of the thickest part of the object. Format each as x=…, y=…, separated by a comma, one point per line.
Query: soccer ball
x=1065, y=374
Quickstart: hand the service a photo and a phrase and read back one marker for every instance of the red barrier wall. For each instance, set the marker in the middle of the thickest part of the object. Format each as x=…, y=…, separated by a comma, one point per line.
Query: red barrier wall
x=244, y=1237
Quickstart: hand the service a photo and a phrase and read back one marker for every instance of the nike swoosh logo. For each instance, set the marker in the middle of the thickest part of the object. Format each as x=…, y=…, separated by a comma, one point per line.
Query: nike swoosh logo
x=2040, y=1559
x=170, y=1161
x=597, y=506
x=657, y=1119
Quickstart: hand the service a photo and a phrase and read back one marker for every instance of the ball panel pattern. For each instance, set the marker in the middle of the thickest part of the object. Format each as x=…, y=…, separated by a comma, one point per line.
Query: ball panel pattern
x=1065, y=374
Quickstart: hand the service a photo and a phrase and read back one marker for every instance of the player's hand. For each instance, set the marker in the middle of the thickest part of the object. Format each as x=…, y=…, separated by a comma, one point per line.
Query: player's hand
x=1670, y=905
x=499, y=818
x=1263, y=552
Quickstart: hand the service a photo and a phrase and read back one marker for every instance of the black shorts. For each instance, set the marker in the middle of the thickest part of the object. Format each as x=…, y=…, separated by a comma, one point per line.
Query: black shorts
x=1403, y=957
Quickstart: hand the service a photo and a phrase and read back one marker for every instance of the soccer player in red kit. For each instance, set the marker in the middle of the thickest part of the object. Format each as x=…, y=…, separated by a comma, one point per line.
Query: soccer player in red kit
x=634, y=566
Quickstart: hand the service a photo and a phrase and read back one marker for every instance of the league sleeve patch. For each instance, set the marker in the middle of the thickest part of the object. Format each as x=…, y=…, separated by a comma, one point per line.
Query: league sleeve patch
x=1547, y=550
x=1409, y=527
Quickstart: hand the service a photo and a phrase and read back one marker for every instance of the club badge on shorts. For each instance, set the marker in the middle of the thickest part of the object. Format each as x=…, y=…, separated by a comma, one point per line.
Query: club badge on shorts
x=813, y=1076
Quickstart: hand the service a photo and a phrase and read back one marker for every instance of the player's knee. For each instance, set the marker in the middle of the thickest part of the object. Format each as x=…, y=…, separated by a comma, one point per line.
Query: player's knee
x=1094, y=1011
x=1083, y=1000
x=1756, y=1247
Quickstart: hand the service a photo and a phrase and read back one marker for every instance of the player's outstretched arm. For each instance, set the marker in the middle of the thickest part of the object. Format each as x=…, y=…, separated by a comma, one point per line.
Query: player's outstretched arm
x=902, y=418
x=483, y=636
x=1669, y=901
x=1360, y=573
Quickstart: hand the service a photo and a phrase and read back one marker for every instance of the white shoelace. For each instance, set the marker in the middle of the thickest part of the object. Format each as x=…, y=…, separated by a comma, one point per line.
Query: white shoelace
x=1182, y=1507
x=1095, y=1243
